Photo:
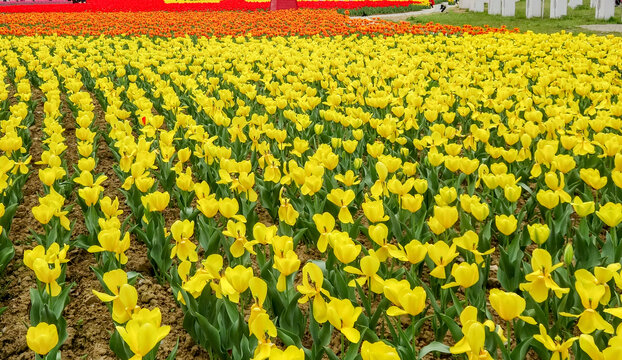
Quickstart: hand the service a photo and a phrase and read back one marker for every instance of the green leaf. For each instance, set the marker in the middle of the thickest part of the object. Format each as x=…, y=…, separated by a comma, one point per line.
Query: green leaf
x=455, y=330
x=173, y=353
x=288, y=337
x=117, y=345
x=434, y=346
x=521, y=349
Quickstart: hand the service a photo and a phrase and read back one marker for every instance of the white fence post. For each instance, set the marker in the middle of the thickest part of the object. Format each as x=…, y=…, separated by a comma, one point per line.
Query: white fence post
x=533, y=8
x=494, y=7
x=605, y=9
x=508, y=7
x=478, y=6
x=559, y=8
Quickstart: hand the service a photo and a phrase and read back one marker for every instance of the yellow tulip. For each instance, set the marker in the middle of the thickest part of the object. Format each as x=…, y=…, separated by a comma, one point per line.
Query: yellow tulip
x=290, y=353
x=110, y=240
x=592, y=178
x=414, y=252
x=469, y=241
x=444, y=218
x=539, y=233
x=342, y=315
x=367, y=274
x=582, y=209
x=590, y=320
x=342, y=199
x=142, y=335
x=547, y=198
x=42, y=338
x=344, y=248
x=540, y=280
x=465, y=274
x=506, y=224
x=156, y=201
x=378, y=351
x=312, y=273
x=374, y=211
x=406, y=301
x=559, y=349
x=442, y=255
x=236, y=281
x=512, y=192
x=509, y=306
x=610, y=214
x=184, y=248
x=48, y=276
x=286, y=265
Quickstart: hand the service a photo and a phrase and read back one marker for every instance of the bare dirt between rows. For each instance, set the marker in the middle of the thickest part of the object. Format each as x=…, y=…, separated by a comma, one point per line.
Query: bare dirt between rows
x=89, y=323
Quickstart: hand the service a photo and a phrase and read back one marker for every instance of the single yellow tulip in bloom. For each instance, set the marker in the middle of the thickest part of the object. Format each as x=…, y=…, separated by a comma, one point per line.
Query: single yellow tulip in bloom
x=559, y=349
x=378, y=351
x=325, y=224
x=342, y=315
x=48, y=276
x=414, y=252
x=110, y=241
x=512, y=192
x=547, y=198
x=582, y=209
x=610, y=214
x=539, y=233
x=342, y=199
x=143, y=333
x=156, y=201
x=506, y=224
x=311, y=288
x=590, y=320
x=465, y=274
x=473, y=342
x=409, y=301
x=286, y=266
x=236, y=281
x=469, y=241
x=345, y=249
x=593, y=179
x=442, y=255
x=509, y=306
x=374, y=211
x=540, y=280
x=368, y=273
x=184, y=248
x=42, y=338
x=444, y=218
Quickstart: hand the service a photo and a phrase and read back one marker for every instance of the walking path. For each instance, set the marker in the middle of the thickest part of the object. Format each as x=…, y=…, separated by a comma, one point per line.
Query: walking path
x=604, y=27
x=403, y=16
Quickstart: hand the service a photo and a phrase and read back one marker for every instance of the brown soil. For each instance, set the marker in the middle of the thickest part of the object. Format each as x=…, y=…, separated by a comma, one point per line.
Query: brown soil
x=18, y=279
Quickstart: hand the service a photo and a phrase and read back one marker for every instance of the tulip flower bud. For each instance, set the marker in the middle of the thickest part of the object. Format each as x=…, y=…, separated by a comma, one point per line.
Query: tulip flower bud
x=319, y=129
x=335, y=142
x=358, y=162
x=568, y=254
x=357, y=134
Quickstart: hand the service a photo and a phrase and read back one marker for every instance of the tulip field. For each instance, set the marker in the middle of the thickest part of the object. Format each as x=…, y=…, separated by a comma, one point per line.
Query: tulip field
x=302, y=185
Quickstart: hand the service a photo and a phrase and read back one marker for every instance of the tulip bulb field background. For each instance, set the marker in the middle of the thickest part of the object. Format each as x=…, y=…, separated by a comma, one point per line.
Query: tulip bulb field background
x=301, y=185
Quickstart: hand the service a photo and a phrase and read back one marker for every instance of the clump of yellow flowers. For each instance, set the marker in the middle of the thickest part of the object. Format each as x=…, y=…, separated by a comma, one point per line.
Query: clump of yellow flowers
x=308, y=197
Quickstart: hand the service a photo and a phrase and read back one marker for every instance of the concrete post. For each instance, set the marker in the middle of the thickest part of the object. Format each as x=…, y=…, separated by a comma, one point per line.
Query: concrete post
x=508, y=7
x=478, y=6
x=533, y=9
x=494, y=7
x=605, y=9
x=559, y=8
